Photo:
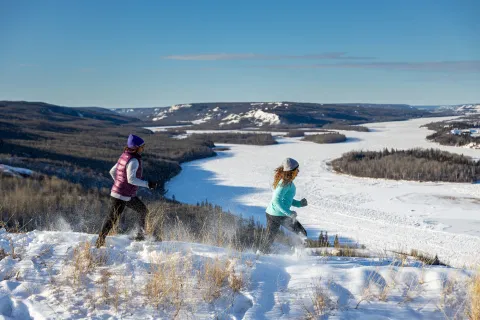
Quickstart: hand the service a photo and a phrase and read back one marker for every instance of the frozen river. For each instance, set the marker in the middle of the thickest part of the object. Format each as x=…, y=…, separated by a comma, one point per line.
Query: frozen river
x=439, y=218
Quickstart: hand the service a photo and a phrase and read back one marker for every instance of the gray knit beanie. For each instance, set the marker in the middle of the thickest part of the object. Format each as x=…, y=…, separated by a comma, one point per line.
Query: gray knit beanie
x=290, y=164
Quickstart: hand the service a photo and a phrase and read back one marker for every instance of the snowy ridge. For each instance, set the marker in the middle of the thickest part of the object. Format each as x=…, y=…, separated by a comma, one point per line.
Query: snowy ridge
x=178, y=107
x=470, y=108
x=257, y=114
x=164, y=114
x=38, y=282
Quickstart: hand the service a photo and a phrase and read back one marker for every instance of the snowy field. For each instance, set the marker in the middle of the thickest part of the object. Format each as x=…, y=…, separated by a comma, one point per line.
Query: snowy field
x=437, y=218
x=49, y=276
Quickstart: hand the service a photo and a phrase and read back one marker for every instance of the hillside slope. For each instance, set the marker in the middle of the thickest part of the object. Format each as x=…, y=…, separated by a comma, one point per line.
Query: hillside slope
x=58, y=275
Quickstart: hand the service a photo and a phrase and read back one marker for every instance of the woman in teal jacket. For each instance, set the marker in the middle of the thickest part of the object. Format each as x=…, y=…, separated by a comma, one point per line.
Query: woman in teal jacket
x=278, y=211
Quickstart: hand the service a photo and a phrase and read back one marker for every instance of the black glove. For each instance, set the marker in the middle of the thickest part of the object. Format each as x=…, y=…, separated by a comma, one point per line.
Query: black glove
x=304, y=202
x=152, y=184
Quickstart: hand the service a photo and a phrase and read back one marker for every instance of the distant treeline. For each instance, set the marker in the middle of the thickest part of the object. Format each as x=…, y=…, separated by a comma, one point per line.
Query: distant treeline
x=331, y=137
x=413, y=164
x=295, y=134
x=260, y=139
x=346, y=127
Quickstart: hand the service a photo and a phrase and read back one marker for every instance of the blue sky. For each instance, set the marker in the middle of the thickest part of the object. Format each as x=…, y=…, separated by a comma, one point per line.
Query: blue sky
x=158, y=53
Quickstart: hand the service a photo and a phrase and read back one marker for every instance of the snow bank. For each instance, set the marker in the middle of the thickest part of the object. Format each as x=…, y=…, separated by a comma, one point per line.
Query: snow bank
x=203, y=120
x=45, y=280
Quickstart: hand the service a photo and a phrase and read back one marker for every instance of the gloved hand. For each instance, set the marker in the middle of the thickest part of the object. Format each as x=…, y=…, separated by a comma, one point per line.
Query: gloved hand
x=304, y=202
x=293, y=215
x=152, y=185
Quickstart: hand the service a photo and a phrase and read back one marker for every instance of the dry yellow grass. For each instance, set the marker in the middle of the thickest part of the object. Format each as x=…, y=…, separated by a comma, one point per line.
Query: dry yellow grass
x=215, y=275
x=85, y=261
x=474, y=298
x=168, y=283
x=321, y=302
x=235, y=281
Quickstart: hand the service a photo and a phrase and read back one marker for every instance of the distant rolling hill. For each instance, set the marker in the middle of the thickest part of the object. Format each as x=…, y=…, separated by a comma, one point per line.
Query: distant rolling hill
x=23, y=118
x=228, y=115
x=40, y=111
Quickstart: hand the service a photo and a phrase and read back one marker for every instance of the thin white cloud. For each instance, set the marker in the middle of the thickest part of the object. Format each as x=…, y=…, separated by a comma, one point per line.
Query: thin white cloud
x=440, y=66
x=253, y=56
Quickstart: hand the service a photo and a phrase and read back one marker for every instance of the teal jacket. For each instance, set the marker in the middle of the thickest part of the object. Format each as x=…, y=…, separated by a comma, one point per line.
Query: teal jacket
x=282, y=200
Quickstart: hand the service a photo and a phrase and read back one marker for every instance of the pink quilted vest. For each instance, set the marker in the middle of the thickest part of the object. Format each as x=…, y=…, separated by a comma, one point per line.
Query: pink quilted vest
x=121, y=185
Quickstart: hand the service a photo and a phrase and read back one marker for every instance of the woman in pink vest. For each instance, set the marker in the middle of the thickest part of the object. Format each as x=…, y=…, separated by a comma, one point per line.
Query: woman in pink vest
x=127, y=174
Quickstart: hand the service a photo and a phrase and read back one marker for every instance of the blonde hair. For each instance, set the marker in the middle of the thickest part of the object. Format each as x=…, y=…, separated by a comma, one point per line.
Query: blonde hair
x=285, y=176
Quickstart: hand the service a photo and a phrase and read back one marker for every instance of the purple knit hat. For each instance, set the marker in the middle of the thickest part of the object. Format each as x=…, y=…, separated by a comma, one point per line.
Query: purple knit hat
x=134, y=141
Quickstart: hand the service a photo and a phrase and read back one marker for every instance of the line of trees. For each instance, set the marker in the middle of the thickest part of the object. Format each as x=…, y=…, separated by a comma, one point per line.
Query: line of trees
x=413, y=164
x=260, y=139
x=346, y=127
x=295, y=134
x=331, y=137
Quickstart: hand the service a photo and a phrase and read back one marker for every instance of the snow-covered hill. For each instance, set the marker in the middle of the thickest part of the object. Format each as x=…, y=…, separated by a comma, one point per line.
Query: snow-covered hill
x=469, y=108
x=59, y=275
x=464, y=108
x=257, y=114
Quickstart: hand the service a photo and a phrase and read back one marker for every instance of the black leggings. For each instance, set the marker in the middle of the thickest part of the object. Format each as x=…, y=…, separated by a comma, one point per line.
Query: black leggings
x=116, y=208
x=273, y=225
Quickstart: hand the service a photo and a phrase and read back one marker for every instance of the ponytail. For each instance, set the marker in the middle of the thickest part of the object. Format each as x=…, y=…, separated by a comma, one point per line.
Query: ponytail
x=278, y=176
x=285, y=176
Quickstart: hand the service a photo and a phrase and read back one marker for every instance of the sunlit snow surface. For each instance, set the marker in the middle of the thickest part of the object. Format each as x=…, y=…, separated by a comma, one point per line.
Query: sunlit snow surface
x=440, y=218
x=38, y=283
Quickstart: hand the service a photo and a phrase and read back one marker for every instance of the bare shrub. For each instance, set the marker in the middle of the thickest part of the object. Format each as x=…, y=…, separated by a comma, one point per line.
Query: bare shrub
x=426, y=258
x=168, y=281
x=84, y=260
x=235, y=280
x=340, y=252
x=321, y=303
x=215, y=275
